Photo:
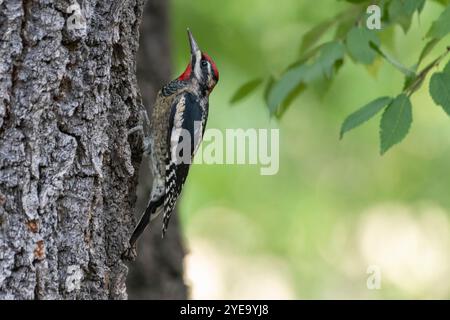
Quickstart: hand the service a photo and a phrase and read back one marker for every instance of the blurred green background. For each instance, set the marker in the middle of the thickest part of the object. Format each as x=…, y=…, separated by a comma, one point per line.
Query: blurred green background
x=335, y=207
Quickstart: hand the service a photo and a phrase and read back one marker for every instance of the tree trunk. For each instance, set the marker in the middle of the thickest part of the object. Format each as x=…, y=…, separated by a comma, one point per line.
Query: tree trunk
x=68, y=169
x=157, y=272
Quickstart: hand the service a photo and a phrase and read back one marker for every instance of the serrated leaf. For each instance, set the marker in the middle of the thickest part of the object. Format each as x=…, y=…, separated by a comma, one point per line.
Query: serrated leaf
x=365, y=113
x=244, y=90
x=323, y=66
x=440, y=90
x=395, y=122
x=358, y=44
x=441, y=27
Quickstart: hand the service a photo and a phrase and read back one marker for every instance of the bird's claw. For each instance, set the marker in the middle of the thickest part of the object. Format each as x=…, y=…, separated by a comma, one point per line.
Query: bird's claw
x=130, y=253
x=135, y=129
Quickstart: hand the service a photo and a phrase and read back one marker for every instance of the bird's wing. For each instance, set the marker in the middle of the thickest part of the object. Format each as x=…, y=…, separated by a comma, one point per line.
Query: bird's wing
x=186, y=126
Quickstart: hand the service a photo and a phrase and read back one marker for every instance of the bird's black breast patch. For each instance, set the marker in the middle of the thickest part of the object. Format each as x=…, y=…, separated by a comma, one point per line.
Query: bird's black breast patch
x=186, y=121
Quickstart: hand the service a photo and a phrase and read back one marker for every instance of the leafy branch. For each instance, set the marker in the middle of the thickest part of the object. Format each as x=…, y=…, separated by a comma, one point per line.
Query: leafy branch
x=352, y=39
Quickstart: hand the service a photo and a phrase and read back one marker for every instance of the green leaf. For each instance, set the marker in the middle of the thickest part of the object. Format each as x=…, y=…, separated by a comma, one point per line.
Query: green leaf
x=362, y=115
x=440, y=90
x=409, y=81
x=427, y=49
x=323, y=66
x=447, y=68
x=401, y=11
x=322, y=85
x=346, y=20
x=395, y=122
x=344, y=27
x=284, y=86
x=311, y=37
x=420, y=5
x=441, y=27
x=268, y=87
x=244, y=90
x=279, y=112
x=358, y=44
x=330, y=54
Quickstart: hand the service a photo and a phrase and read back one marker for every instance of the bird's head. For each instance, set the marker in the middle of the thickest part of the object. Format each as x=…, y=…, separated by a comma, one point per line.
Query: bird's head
x=201, y=67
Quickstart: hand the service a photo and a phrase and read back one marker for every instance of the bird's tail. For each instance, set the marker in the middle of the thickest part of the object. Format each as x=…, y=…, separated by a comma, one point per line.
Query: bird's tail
x=152, y=211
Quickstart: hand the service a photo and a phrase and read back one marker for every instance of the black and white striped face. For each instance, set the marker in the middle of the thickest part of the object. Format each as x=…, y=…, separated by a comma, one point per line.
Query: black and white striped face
x=196, y=58
x=205, y=71
x=203, y=67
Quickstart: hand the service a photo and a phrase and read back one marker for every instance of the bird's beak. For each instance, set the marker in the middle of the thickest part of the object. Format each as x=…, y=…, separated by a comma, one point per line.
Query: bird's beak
x=193, y=43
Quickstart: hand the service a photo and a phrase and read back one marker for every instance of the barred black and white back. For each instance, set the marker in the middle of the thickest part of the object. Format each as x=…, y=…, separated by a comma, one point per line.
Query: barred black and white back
x=188, y=116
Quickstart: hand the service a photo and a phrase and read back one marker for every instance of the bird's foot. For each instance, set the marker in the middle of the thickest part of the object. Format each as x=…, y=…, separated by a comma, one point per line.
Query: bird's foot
x=146, y=142
x=130, y=253
x=137, y=128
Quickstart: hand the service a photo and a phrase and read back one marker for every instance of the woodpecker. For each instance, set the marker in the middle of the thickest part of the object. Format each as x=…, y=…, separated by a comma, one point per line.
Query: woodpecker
x=177, y=124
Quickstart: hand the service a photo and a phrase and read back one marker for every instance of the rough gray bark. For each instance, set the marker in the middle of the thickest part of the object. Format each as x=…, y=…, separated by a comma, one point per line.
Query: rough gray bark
x=157, y=272
x=68, y=169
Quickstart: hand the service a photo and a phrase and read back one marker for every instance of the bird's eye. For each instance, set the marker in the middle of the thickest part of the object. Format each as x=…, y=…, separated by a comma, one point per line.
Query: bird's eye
x=204, y=63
